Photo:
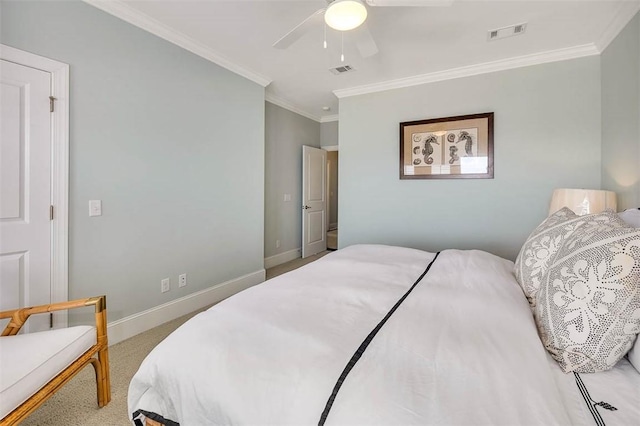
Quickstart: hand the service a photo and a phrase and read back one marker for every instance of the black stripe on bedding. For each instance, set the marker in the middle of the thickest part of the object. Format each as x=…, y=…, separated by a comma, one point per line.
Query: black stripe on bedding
x=152, y=416
x=593, y=406
x=363, y=346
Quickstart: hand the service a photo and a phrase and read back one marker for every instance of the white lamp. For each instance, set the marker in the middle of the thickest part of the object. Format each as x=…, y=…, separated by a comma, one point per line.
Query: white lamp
x=582, y=201
x=344, y=15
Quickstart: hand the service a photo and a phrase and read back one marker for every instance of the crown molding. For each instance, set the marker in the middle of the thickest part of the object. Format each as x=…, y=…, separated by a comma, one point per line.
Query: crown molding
x=121, y=10
x=625, y=13
x=329, y=118
x=281, y=102
x=484, y=68
x=133, y=16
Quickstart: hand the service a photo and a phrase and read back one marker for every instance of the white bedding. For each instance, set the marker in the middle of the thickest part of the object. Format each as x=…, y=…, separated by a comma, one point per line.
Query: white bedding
x=462, y=348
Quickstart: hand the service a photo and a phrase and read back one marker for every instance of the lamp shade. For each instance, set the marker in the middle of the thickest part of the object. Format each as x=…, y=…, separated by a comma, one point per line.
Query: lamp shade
x=583, y=201
x=344, y=15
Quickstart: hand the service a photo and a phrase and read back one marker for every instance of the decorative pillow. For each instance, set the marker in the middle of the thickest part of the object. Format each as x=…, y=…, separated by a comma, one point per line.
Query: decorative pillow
x=540, y=248
x=588, y=310
x=532, y=261
x=631, y=217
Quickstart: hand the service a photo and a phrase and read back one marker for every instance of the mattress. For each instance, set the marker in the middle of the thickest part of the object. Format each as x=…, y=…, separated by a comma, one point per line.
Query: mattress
x=370, y=335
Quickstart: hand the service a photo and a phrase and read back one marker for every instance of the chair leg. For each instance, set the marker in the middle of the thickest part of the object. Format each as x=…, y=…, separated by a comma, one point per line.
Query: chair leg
x=99, y=384
x=103, y=382
x=103, y=356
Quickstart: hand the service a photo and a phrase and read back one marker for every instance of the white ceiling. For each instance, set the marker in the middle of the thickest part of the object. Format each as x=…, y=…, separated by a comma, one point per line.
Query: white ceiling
x=412, y=41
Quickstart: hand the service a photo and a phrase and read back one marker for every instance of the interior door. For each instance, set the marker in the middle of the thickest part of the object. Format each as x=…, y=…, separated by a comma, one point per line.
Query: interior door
x=314, y=201
x=25, y=190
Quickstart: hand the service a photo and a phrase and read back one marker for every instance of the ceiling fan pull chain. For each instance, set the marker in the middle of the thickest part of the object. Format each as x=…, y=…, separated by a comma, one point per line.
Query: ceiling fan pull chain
x=325, y=35
x=342, y=54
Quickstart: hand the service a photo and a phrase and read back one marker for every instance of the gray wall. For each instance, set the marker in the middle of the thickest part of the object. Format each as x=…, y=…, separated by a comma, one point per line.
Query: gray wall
x=547, y=135
x=329, y=133
x=285, y=134
x=172, y=144
x=621, y=116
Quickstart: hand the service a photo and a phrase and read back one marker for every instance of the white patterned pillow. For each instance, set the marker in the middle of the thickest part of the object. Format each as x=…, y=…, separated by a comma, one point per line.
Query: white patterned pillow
x=540, y=248
x=588, y=310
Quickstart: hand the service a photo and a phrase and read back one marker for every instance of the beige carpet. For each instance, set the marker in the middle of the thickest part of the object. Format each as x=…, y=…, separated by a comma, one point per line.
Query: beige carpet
x=75, y=403
x=294, y=264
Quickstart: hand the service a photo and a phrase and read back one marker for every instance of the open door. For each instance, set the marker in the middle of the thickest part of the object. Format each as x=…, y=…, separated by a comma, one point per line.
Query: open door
x=25, y=192
x=314, y=203
x=34, y=153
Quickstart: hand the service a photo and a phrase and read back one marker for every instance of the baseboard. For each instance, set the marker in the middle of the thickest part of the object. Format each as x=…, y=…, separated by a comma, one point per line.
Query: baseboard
x=278, y=259
x=333, y=226
x=125, y=328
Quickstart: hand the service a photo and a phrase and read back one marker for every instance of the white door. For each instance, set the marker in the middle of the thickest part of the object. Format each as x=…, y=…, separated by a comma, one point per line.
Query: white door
x=314, y=201
x=25, y=190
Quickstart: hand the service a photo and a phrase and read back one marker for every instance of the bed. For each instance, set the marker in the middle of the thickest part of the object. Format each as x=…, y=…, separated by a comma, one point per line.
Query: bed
x=374, y=334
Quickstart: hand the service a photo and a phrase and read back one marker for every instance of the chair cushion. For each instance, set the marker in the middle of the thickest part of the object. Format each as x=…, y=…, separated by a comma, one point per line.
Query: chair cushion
x=29, y=361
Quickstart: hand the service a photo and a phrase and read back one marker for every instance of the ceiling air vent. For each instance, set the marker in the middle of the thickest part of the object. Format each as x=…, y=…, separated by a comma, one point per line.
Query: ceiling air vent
x=341, y=69
x=507, y=31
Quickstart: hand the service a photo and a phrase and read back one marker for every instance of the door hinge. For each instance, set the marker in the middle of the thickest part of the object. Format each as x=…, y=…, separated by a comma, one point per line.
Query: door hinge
x=50, y=212
x=50, y=320
x=52, y=102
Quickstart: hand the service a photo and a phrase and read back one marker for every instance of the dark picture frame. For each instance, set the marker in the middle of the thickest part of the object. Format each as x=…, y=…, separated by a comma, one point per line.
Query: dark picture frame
x=458, y=147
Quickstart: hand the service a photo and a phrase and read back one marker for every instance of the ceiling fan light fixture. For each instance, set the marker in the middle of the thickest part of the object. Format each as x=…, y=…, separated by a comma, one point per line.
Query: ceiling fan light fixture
x=345, y=15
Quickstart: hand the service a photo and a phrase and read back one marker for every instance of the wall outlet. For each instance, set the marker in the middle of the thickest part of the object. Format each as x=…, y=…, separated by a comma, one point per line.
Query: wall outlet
x=277, y=243
x=165, y=285
x=95, y=208
x=182, y=280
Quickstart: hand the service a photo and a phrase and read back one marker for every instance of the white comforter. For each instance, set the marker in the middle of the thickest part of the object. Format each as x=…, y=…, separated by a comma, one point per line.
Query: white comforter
x=461, y=349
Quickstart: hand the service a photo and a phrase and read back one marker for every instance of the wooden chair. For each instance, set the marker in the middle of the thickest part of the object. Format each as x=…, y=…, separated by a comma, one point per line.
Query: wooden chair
x=79, y=358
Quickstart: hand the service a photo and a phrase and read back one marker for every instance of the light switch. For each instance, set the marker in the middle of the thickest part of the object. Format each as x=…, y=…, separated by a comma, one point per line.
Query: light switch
x=287, y=197
x=95, y=208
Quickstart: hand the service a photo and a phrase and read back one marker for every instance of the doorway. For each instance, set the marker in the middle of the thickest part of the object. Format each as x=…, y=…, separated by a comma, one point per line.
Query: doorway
x=332, y=198
x=314, y=201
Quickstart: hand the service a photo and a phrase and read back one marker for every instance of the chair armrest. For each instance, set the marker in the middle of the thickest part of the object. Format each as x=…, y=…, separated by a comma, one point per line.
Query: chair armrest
x=20, y=316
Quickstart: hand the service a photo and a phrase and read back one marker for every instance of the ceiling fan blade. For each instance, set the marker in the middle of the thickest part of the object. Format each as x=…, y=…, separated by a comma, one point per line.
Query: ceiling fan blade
x=292, y=36
x=364, y=41
x=379, y=3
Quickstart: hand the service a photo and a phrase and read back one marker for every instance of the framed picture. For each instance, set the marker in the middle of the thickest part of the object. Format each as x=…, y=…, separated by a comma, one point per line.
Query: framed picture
x=447, y=148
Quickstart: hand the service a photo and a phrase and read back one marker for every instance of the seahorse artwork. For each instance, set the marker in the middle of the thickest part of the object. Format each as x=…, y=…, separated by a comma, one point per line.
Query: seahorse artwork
x=428, y=149
x=465, y=136
x=452, y=153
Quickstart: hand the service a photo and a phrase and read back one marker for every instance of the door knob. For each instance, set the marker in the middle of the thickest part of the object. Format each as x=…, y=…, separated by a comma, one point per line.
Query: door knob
x=306, y=207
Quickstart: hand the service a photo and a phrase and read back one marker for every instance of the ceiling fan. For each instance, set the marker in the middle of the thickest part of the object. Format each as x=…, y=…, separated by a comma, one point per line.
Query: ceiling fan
x=347, y=15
